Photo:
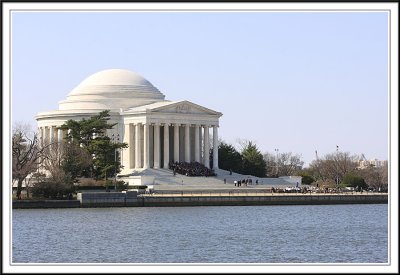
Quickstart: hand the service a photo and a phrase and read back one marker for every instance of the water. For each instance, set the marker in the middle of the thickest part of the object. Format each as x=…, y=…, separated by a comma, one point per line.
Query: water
x=239, y=234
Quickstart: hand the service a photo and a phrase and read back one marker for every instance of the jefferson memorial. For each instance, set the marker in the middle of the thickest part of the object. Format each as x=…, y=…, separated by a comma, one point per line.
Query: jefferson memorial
x=156, y=130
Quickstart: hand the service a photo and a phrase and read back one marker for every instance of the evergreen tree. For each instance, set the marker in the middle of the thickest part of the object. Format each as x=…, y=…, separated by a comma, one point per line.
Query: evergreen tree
x=76, y=161
x=84, y=131
x=91, y=134
x=253, y=161
x=353, y=181
x=306, y=177
x=229, y=158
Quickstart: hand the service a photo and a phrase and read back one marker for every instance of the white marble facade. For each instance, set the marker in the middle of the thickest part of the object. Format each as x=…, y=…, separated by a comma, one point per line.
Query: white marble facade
x=157, y=130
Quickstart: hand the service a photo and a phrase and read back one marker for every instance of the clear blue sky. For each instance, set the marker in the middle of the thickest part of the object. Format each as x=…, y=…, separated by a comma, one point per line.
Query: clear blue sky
x=296, y=81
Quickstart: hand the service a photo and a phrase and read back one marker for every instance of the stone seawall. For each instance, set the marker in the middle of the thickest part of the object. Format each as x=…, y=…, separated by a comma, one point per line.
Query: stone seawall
x=131, y=199
x=27, y=204
x=109, y=199
x=263, y=200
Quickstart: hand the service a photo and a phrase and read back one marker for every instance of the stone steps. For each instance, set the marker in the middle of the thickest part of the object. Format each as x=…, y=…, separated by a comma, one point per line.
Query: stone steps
x=166, y=179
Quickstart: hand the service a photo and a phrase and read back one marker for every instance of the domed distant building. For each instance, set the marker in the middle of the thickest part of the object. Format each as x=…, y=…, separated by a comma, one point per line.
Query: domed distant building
x=157, y=130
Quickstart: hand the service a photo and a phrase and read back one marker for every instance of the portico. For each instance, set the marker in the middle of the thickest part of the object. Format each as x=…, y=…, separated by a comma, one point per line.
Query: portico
x=155, y=148
x=167, y=134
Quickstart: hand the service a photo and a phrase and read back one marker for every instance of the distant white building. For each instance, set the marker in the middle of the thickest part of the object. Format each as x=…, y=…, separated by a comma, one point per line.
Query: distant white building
x=362, y=164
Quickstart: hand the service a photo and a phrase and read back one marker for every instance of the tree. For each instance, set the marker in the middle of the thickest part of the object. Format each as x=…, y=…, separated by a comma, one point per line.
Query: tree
x=270, y=165
x=284, y=164
x=289, y=164
x=229, y=158
x=91, y=134
x=62, y=162
x=375, y=177
x=334, y=166
x=84, y=131
x=352, y=180
x=253, y=161
x=76, y=161
x=104, y=150
x=26, y=154
x=306, y=177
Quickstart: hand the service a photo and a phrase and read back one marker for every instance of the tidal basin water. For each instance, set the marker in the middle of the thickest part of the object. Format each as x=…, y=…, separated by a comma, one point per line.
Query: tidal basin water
x=225, y=234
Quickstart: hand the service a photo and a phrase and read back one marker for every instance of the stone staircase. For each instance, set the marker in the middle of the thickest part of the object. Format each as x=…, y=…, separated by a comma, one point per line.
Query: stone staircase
x=164, y=179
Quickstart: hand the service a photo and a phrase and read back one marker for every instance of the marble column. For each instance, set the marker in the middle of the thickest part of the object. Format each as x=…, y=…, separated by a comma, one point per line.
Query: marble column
x=46, y=135
x=55, y=134
x=128, y=156
x=206, y=147
x=146, y=146
x=176, y=142
x=187, y=142
x=196, y=143
x=157, y=154
x=201, y=142
x=215, y=147
x=40, y=138
x=41, y=135
x=166, y=145
x=138, y=159
x=59, y=135
x=51, y=134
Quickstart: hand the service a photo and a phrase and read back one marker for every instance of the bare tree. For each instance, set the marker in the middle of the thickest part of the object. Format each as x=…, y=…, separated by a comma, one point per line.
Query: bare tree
x=316, y=171
x=288, y=164
x=270, y=161
x=334, y=166
x=25, y=154
x=64, y=161
x=375, y=177
x=283, y=164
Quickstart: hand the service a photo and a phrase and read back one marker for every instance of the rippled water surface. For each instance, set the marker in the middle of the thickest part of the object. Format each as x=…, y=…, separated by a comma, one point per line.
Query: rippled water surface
x=239, y=234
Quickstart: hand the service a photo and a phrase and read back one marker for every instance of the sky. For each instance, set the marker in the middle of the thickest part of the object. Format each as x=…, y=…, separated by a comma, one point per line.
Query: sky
x=298, y=82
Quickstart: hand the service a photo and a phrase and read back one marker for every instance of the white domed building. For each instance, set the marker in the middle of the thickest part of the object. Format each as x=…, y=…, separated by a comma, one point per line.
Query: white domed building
x=157, y=130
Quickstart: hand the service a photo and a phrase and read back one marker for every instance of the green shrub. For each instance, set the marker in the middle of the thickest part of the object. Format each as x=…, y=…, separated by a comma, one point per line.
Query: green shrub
x=351, y=180
x=53, y=190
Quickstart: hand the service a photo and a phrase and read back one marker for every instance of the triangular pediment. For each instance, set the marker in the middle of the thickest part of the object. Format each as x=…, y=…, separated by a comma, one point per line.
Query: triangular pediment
x=184, y=107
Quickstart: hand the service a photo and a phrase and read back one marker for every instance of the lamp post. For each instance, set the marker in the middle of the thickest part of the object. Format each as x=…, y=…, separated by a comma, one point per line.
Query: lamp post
x=337, y=170
x=115, y=139
x=276, y=162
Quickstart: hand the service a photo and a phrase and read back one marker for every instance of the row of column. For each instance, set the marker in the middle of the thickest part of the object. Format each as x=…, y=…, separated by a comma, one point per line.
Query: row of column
x=50, y=135
x=140, y=146
x=142, y=141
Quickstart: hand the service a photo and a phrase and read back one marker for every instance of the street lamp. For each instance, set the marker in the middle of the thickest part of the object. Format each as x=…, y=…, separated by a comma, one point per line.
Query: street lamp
x=115, y=139
x=276, y=162
x=337, y=170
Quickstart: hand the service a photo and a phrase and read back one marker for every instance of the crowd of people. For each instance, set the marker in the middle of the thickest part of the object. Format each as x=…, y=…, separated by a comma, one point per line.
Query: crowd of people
x=191, y=169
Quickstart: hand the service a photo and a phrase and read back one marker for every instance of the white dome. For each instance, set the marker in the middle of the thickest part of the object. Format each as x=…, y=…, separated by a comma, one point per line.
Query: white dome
x=112, y=89
x=114, y=77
